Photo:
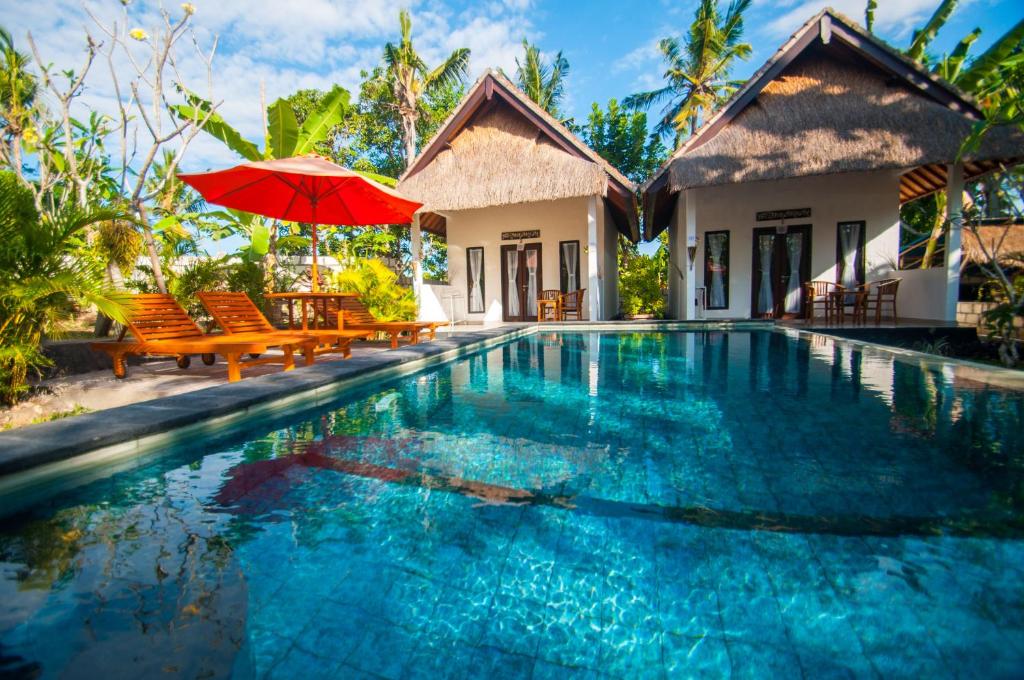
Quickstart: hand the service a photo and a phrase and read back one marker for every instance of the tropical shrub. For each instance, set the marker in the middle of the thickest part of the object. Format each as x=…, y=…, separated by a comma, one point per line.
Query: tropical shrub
x=201, y=274
x=46, y=272
x=641, y=285
x=377, y=287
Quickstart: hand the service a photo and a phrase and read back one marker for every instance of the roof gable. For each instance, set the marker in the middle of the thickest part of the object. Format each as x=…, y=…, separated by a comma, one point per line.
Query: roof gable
x=448, y=177
x=490, y=85
x=824, y=28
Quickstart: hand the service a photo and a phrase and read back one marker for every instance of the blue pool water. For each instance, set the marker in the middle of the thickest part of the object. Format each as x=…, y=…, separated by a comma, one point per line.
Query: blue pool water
x=595, y=505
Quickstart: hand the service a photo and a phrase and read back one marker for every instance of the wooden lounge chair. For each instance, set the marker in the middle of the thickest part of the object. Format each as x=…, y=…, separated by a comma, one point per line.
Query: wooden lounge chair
x=236, y=313
x=162, y=328
x=357, y=317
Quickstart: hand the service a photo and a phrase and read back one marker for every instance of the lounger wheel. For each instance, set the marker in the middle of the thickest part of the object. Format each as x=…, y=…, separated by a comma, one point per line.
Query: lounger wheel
x=254, y=355
x=184, y=361
x=209, y=359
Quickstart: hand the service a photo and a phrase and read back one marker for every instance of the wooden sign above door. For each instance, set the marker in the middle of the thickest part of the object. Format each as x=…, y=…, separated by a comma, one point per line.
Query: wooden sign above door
x=788, y=214
x=519, y=235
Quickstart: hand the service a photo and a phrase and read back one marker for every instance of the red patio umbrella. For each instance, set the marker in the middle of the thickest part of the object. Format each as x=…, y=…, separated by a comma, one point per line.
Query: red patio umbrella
x=306, y=189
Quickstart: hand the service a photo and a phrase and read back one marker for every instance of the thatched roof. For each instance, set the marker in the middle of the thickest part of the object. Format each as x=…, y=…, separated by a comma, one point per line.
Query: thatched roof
x=499, y=160
x=1005, y=240
x=500, y=148
x=824, y=116
x=833, y=99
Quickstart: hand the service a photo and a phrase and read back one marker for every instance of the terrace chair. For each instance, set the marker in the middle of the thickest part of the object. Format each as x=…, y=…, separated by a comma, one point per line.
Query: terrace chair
x=884, y=293
x=236, y=314
x=162, y=328
x=572, y=303
x=356, y=317
x=817, y=293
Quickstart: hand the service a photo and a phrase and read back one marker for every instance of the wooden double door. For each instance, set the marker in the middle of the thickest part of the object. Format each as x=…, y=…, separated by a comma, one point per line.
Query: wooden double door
x=782, y=264
x=521, y=281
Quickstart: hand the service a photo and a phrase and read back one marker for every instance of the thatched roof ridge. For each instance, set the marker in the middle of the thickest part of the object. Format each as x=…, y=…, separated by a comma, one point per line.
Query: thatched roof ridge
x=498, y=147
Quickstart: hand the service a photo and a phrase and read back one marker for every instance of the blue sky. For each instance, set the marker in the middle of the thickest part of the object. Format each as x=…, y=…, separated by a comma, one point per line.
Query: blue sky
x=286, y=45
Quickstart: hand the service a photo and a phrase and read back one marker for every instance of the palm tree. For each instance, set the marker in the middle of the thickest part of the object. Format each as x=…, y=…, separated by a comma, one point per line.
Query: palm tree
x=698, y=70
x=410, y=78
x=18, y=90
x=543, y=83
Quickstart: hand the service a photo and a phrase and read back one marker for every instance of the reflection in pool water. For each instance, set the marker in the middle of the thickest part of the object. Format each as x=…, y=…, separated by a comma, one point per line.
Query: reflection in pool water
x=627, y=504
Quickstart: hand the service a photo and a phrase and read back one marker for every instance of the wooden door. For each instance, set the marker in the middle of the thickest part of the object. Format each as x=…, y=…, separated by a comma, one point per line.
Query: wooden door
x=521, y=281
x=781, y=265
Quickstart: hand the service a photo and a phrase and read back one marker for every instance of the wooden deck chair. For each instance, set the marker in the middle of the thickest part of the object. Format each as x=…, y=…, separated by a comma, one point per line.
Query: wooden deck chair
x=356, y=317
x=236, y=313
x=161, y=327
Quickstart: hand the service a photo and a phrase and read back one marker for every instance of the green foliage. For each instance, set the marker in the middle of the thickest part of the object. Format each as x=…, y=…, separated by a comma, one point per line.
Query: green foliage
x=377, y=287
x=620, y=137
x=543, y=83
x=46, y=271
x=642, y=282
x=697, y=69
x=202, y=274
x=923, y=36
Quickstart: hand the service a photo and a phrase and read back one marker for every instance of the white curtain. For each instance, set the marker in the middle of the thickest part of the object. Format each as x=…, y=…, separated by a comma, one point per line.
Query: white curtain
x=716, y=246
x=765, y=300
x=795, y=249
x=512, y=260
x=849, y=239
x=570, y=254
x=476, y=268
x=531, y=283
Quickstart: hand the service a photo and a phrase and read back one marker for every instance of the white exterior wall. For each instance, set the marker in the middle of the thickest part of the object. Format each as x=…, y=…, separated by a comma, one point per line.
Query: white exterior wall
x=872, y=197
x=561, y=220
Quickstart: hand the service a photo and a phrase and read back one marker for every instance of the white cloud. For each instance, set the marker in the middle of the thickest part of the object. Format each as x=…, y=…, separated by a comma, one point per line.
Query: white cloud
x=646, y=56
x=285, y=45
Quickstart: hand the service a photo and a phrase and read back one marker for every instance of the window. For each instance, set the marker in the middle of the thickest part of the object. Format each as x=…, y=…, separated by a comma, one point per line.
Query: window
x=475, y=279
x=569, y=269
x=716, y=269
x=850, y=254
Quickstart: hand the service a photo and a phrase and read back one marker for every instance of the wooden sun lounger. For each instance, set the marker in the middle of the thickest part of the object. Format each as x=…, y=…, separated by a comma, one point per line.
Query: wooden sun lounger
x=236, y=313
x=357, y=317
x=162, y=328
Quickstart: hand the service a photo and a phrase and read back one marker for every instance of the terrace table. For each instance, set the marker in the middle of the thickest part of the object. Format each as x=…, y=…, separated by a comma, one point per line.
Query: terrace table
x=317, y=301
x=842, y=298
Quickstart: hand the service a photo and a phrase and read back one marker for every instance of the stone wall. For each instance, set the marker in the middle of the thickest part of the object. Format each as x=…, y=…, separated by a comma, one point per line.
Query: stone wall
x=970, y=314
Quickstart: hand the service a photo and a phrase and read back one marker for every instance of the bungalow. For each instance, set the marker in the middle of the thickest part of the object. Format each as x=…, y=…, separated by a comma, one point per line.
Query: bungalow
x=801, y=175
x=524, y=205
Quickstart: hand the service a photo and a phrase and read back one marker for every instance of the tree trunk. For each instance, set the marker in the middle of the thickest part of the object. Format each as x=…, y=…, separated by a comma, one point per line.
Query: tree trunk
x=151, y=248
x=409, y=136
x=938, y=227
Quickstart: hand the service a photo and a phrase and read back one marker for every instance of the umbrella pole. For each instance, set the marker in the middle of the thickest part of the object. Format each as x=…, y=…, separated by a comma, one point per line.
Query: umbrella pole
x=315, y=284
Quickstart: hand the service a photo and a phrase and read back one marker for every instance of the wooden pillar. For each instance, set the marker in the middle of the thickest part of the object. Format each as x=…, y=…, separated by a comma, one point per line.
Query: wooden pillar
x=416, y=246
x=955, y=219
x=593, y=278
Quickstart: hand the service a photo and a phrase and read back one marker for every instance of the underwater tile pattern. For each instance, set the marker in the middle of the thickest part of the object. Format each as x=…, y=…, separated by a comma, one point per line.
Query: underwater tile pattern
x=702, y=504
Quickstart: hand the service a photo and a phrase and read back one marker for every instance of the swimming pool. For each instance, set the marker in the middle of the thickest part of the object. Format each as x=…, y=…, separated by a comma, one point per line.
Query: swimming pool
x=621, y=504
